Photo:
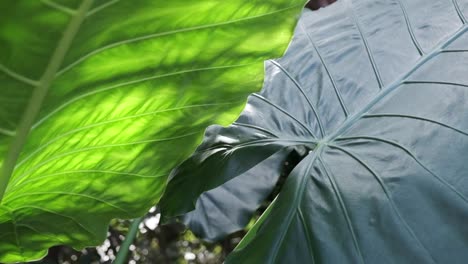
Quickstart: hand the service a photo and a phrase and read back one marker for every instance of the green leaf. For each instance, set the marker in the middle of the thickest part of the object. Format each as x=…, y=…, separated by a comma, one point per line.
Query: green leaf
x=372, y=96
x=101, y=99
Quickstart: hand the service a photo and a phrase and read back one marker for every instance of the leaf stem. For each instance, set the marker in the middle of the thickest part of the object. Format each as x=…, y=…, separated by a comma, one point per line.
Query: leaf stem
x=123, y=251
x=39, y=94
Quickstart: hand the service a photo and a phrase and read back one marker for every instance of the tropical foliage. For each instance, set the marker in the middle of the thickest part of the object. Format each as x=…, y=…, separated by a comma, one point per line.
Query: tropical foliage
x=373, y=98
x=101, y=99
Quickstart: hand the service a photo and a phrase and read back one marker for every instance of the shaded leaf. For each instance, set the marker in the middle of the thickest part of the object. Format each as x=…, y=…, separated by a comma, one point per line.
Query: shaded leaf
x=377, y=92
x=316, y=4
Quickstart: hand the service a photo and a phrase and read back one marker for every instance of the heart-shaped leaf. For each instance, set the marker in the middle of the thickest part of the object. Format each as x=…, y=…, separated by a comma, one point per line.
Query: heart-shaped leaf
x=373, y=95
x=100, y=100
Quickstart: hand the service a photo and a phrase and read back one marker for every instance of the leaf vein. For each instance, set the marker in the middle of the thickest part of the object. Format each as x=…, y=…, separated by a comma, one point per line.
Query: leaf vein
x=61, y=155
x=58, y=214
x=366, y=44
x=459, y=12
x=18, y=76
x=41, y=233
x=418, y=118
x=395, y=85
x=101, y=7
x=201, y=27
x=71, y=194
x=59, y=7
x=85, y=171
x=413, y=156
x=256, y=128
x=301, y=90
x=7, y=132
x=290, y=215
x=344, y=210
x=327, y=70
x=265, y=100
x=85, y=95
x=307, y=233
x=106, y=122
x=410, y=28
x=387, y=194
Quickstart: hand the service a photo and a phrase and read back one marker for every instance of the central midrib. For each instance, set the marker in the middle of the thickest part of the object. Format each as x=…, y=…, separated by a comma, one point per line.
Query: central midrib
x=39, y=94
x=349, y=122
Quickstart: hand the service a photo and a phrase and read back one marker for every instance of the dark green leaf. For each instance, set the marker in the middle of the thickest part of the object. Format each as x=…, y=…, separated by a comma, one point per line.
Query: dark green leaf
x=377, y=91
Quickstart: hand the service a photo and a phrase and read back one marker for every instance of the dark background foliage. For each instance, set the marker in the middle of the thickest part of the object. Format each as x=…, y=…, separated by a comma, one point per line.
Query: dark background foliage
x=316, y=4
x=169, y=243
x=163, y=244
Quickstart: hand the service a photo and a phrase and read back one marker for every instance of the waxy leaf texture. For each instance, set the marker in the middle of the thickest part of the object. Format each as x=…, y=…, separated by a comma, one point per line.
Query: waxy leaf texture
x=373, y=95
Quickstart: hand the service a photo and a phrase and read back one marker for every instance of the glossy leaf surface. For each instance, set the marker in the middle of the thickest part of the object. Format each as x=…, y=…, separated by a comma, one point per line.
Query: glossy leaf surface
x=128, y=87
x=374, y=96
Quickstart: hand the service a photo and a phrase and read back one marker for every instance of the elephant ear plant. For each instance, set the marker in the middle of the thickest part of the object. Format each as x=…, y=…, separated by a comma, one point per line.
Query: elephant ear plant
x=100, y=100
x=373, y=96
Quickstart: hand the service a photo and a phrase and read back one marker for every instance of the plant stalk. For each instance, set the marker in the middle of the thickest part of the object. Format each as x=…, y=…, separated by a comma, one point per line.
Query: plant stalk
x=124, y=248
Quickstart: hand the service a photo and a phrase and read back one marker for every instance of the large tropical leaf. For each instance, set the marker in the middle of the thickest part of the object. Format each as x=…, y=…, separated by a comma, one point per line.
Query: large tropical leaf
x=100, y=100
x=377, y=92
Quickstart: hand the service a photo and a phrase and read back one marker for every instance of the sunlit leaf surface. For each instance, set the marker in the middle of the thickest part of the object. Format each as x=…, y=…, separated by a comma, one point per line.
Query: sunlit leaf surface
x=124, y=103
x=373, y=95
